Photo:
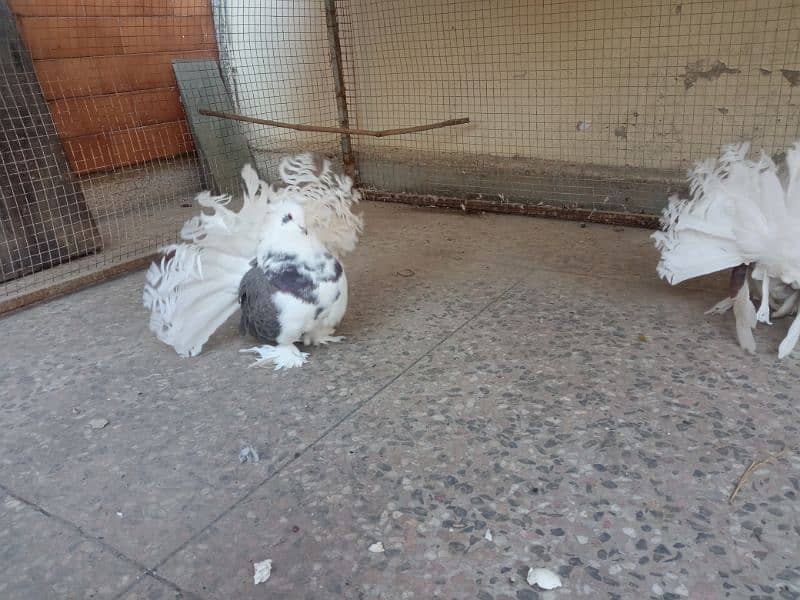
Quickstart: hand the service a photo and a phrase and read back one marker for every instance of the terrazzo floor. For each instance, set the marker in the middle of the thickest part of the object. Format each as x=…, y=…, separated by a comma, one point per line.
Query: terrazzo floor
x=527, y=377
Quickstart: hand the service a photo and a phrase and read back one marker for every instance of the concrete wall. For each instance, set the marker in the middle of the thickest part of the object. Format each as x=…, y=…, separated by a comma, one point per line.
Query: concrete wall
x=601, y=103
x=650, y=84
x=275, y=55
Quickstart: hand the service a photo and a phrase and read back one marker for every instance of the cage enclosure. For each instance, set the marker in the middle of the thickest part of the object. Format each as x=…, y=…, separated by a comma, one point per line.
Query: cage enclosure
x=115, y=114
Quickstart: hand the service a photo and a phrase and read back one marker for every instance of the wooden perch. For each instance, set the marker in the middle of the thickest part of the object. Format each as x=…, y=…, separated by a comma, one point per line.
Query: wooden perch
x=320, y=128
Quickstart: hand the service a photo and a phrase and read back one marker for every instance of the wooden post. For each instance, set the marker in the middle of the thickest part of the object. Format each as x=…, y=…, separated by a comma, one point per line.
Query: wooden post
x=348, y=158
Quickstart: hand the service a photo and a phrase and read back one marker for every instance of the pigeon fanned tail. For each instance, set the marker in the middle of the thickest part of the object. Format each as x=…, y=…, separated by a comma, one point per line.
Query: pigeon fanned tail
x=743, y=211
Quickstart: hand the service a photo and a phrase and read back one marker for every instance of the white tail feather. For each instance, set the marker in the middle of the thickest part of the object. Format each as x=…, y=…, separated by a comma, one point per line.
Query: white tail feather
x=791, y=339
x=327, y=198
x=193, y=292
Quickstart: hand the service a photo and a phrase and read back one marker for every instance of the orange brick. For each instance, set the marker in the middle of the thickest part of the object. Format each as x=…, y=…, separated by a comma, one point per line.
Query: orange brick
x=109, y=8
x=103, y=152
x=47, y=8
x=63, y=37
x=89, y=154
x=88, y=76
x=76, y=117
x=69, y=77
x=190, y=8
x=162, y=34
x=142, y=71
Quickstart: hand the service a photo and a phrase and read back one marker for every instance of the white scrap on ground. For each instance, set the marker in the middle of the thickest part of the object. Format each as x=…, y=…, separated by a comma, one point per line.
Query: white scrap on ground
x=543, y=578
x=376, y=548
x=488, y=535
x=248, y=454
x=263, y=570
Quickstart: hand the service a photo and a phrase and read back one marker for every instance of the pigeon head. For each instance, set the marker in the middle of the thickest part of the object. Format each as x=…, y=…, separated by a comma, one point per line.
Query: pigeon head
x=291, y=218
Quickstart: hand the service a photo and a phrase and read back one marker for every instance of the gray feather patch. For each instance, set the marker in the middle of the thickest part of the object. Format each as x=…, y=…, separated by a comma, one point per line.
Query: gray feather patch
x=281, y=272
x=259, y=316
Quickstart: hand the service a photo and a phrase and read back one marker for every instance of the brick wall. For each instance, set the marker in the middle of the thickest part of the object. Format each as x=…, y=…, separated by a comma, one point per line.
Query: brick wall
x=105, y=69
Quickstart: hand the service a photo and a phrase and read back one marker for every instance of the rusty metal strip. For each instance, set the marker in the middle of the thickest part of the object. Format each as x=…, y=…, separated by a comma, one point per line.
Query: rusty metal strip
x=518, y=208
x=75, y=284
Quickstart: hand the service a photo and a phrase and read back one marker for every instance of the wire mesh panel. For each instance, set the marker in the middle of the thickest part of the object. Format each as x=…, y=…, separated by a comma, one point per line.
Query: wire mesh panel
x=591, y=103
x=106, y=98
x=275, y=56
x=90, y=84
x=107, y=134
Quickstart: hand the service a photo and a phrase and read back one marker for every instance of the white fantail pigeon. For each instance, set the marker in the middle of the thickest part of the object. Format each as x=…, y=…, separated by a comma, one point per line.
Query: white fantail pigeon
x=278, y=259
x=744, y=215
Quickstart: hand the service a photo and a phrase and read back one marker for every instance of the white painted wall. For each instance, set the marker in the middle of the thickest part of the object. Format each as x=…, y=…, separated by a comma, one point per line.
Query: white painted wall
x=527, y=73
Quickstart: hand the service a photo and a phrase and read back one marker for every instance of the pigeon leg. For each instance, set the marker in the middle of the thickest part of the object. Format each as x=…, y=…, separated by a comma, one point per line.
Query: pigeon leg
x=788, y=306
x=321, y=339
x=285, y=356
x=737, y=280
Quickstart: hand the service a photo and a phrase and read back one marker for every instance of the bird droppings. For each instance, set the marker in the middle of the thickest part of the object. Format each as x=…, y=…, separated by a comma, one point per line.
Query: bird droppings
x=98, y=423
x=697, y=71
x=488, y=535
x=376, y=548
x=792, y=76
x=543, y=578
x=248, y=454
x=262, y=571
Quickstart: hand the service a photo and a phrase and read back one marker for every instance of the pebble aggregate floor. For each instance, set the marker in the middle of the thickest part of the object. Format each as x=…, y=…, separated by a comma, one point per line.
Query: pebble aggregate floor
x=526, y=377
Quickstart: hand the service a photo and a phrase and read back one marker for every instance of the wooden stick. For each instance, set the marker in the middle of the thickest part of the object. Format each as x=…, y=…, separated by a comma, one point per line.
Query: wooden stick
x=322, y=129
x=749, y=471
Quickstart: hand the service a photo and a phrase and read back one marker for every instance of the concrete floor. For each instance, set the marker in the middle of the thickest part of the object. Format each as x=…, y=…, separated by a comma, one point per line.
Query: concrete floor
x=525, y=376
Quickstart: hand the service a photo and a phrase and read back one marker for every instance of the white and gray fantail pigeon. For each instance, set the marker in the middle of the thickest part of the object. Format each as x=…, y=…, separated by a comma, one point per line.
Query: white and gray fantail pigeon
x=278, y=259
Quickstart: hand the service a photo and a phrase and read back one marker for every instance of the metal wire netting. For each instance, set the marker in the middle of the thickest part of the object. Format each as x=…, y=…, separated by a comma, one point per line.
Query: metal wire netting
x=599, y=105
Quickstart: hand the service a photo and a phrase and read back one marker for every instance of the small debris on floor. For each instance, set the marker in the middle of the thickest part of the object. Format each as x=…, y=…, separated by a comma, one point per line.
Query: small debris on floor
x=98, y=423
x=406, y=273
x=488, y=535
x=120, y=515
x=262, y=572
x=248, y=454
x=642, y=338
x=543, y=578
x=376, y=548
x=750, y=469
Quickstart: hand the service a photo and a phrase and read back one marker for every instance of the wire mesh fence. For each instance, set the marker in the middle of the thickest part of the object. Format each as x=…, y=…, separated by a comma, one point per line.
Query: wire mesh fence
x=598, y=105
